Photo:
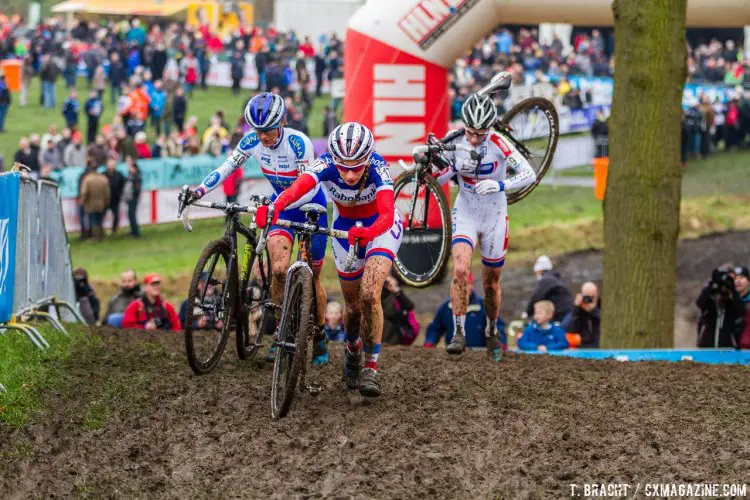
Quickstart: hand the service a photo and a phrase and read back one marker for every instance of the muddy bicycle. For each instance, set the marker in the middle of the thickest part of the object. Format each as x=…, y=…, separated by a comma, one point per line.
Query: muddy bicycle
x=532, y=126
x=221, y=298
x=296, y=327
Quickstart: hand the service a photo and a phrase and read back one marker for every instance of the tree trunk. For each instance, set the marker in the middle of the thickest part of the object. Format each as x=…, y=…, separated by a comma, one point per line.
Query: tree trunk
x=642, y=203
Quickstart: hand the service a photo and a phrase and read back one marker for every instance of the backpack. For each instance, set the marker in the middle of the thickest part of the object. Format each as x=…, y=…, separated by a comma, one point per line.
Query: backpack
x=191, y=76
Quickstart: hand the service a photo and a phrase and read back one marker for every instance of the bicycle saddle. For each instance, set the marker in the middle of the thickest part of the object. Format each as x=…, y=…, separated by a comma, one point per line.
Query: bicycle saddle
x=313, y=207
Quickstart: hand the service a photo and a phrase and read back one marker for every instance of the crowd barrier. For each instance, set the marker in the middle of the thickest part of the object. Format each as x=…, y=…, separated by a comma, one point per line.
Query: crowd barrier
x=709, y=356
x=36, y=276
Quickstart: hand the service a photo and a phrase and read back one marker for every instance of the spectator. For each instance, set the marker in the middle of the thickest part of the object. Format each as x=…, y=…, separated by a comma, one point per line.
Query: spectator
x=329, y=120
x=95, y=197
x=88, y=302
x=48, y=74
x=334, y=325
x=116, y=76
x=70, y=110
x=298, y=122
x=65, y=139
x=130, y=290
x=150, y=311
x=26, y=156
x=75, y=154
x=94, y=109
x=141, y=147
x=137, y=111
x=742, y=284
x=475, y=325
x=100, y=82
x=98, y=151
x=158, y=102
x=116, y=187
x=585, y=320
x=237, y=65
x=159, y=148
x=35, y=143
x=5, y=102
x=542, y=334
x=600, y=133
x=400, y=325
x=179, y=109
x=175, y=145
x=262, y=57
x=125, y=144
x=232, y=185
x=549, y=286
x=52, y=135
x=722, y=311
x=190, y=69
x=131, y=194
x=203, y=317
x=70, y=66
x=215, y=131
x=50, y=156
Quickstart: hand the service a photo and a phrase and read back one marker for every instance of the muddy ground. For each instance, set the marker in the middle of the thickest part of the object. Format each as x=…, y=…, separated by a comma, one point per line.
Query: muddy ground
x=696, y=259
x=130, y=420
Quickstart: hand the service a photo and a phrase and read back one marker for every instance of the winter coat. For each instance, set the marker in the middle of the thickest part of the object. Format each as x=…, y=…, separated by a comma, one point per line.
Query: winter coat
x=550, y=287
x=586, y=324
x=74, y=155
x=116, y=185
x=721, y=322
x=395, y=308
x=119, y=302
x=232, y=183
x=534, y=335
x=745, y=335
x=141, y=310
x=95, y=193
x=474, y=325
x=51, y=157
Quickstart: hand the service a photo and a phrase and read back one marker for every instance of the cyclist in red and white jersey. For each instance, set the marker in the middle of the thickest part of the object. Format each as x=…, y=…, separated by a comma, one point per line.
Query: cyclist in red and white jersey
x=359, y=183
x=480, y=214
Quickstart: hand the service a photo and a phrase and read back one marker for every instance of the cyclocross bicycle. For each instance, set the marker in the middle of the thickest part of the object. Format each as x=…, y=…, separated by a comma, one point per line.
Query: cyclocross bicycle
x=298, y=310
x=532, y=126
x=221, y=298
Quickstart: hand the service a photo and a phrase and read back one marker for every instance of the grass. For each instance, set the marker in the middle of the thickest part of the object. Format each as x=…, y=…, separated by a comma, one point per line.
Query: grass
x=24, y=369
x=22, y=121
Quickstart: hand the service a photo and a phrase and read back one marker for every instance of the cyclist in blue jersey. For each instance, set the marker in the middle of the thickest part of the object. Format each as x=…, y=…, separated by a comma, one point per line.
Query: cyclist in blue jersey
x=283, y=153
x=358, y=181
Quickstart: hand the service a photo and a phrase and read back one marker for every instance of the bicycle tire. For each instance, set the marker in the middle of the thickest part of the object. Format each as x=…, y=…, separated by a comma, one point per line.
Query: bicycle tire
x=541, y=166
x=295, y=321
x=220, y=248
x=248, y=337
x=409, y=276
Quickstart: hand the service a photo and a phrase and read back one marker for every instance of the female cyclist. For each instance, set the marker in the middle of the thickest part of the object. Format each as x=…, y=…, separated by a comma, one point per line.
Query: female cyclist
x=282, y=153
x=359, y=182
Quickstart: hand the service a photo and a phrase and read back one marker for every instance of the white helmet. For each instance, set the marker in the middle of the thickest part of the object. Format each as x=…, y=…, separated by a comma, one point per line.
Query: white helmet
x=479, y=112
x=351, y=142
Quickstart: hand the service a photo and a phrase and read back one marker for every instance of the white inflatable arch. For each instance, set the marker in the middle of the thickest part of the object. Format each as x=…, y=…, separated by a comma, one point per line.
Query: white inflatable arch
x=398, y=53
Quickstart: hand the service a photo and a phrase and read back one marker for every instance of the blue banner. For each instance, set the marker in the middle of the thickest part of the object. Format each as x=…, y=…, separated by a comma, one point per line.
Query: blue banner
x=159, y=173
x=710, y=356
x=9, y=188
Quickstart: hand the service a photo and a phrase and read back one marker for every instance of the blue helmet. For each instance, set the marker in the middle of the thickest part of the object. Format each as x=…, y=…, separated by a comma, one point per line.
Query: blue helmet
x=265, y=111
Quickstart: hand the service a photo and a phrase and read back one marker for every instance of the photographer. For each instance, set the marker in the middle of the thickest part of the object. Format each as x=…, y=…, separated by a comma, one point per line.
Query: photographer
x=151, y=312
x=722, y=311
x=585, y=319
x=742, y=284
x=88, y=302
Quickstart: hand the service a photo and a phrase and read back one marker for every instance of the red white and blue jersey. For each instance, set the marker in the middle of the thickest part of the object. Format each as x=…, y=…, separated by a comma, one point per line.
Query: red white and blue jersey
x=343, y=196
x=281, y=164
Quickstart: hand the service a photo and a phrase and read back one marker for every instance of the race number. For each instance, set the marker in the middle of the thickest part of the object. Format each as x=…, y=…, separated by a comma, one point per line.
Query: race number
x=384, y=171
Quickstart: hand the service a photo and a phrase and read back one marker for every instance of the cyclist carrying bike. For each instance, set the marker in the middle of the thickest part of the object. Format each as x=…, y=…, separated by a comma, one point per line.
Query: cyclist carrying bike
x=480, y=214
x=358, y=180
x=283, y=153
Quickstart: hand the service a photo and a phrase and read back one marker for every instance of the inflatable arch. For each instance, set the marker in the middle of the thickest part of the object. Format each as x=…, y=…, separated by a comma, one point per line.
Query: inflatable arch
x=398, y=53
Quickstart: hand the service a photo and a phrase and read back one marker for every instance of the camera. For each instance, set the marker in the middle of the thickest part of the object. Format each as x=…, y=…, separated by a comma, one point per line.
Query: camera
x=588, y=299
x=722, y=282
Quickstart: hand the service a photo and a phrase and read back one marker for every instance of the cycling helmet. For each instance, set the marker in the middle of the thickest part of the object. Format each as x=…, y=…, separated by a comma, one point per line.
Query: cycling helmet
x=479, y=112
x=352, y=142
x=265, y=111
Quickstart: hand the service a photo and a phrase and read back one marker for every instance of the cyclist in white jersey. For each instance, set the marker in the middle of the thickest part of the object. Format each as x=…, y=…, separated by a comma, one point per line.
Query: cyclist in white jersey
x=358, y=181
x=480, y=214
x=283, y=153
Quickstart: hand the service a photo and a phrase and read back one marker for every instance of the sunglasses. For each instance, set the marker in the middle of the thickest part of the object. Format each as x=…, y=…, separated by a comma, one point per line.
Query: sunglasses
x=356, y=168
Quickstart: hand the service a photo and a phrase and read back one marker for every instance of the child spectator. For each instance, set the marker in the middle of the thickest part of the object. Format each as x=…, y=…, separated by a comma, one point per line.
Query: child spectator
x=334, y=326
x=151, y=311
x=542, y=334
x=141, y=147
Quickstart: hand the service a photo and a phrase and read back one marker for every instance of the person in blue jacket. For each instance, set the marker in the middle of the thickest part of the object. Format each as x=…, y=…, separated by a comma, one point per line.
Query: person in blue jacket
x=156, y=106
x=476, y=320
x=543, y=334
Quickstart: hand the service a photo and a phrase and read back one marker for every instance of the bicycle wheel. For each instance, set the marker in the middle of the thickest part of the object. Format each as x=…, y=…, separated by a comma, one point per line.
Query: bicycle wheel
x=533, y=127
x=291, y=340
x=425, y=246
x=212, y=297
x=254, y=319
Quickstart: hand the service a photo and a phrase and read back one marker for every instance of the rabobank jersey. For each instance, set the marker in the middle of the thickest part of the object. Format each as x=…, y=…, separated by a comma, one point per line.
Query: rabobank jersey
x=280, y=164
x=352, y=202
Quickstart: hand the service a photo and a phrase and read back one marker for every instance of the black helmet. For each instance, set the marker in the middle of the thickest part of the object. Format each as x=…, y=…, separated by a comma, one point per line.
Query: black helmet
x=479, y=112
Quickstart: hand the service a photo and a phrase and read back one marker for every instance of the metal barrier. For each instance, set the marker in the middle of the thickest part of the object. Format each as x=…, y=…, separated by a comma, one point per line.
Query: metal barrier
x=41, y=282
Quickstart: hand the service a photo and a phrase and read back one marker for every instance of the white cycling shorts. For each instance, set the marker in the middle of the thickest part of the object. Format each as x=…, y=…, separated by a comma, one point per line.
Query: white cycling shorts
x=486, y=224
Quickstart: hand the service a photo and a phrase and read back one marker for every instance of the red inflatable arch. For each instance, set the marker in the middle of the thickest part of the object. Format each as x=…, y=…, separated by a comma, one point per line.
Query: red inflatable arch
x=398, y=53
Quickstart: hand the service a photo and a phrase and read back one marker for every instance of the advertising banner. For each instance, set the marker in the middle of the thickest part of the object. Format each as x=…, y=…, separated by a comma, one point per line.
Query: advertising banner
x=9, y=189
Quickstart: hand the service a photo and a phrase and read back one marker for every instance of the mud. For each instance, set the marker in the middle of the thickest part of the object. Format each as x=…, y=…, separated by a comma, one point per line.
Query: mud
x=130, y=420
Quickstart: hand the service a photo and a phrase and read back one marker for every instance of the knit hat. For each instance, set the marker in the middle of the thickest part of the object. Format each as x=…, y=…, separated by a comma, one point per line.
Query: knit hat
x=543, y=263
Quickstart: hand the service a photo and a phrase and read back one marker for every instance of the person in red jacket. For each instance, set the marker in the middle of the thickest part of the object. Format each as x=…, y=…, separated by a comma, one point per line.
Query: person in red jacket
x=232, y=185
x=151, y=312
